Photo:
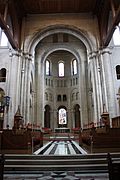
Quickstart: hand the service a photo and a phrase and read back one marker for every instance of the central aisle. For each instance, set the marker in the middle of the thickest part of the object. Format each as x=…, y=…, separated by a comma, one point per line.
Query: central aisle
x=60, y=148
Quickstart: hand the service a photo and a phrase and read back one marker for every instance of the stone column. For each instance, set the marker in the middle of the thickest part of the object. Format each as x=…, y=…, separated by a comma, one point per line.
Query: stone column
x=55, y=119
x=109, y=92
x=99, y=84
x=93, y=92
x=52, y=119
x=98, y=105
x=13, y=87
x=39, y=85
x=25, y=86
x=69, y=118
x=83, y=88
x=94, y=89
x=72, y=118
x=22, y=86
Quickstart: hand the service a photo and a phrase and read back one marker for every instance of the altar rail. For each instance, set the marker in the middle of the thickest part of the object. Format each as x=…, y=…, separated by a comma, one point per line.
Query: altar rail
x=62, y=130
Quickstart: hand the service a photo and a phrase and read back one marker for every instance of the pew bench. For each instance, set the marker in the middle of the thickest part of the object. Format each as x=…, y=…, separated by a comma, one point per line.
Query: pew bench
x=1, y=166
x=113, y=167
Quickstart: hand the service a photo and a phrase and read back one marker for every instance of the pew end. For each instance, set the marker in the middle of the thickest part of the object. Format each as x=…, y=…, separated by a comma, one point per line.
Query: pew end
x=113, y=167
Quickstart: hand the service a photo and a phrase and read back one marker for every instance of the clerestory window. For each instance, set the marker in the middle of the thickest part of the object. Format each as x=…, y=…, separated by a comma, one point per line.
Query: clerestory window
x=47, y=67
x=74, y=67
x=116, y=35
x=3, y=39
x=61, y=69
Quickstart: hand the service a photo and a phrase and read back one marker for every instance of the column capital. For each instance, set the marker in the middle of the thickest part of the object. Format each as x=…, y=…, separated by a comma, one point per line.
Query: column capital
x=105, y=50
x=16, y=53
x=92, y=54
x=27, y=56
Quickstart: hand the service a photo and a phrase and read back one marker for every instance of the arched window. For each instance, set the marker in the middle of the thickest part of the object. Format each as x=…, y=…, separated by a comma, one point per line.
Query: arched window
x=31, y=77
x=77, y=95
x=47, y=67
x=3, y=39
x=61, y=69
x=64, y=97
x=59, y=97
x=74, y=67
x=62, y=116
x=50, y=97
x=116, y=35
x=31, y=90
x=73, y=96
x=118, y=71
x=46, y=96
x=3, y=75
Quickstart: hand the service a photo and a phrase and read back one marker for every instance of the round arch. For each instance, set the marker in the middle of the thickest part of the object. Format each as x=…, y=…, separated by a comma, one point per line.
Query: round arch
x=82, y=35
x=52, y=49
x=45, y=52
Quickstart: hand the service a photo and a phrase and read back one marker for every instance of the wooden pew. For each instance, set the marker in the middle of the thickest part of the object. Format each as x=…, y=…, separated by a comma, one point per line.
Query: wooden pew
x=1, y=166
x=113, y=167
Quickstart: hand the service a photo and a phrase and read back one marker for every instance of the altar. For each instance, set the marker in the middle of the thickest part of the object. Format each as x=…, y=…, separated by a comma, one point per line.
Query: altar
x=62, y=130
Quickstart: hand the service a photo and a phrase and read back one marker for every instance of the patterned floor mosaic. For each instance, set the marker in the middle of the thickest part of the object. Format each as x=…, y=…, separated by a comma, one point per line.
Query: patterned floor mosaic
x=56, y=176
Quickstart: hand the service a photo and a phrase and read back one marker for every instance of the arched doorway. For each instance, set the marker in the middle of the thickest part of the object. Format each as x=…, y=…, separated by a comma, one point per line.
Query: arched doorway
x=47, y=117
x=77, y=116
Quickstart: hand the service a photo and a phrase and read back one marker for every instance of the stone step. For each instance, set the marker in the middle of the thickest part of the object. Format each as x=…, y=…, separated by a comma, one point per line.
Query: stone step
x=90, y=163
x=77, y=156
x=56, y=161
x=69, y=167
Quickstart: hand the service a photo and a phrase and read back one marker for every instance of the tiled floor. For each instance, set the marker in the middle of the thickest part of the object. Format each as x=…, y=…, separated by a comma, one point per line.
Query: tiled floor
x=61, y=148
x=57, y=176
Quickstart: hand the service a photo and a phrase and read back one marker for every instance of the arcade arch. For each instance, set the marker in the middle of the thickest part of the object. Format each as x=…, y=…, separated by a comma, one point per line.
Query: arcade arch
x=42, y=49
